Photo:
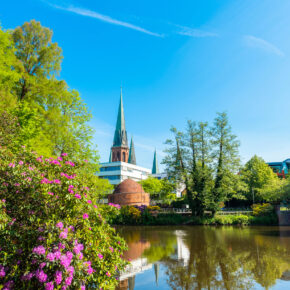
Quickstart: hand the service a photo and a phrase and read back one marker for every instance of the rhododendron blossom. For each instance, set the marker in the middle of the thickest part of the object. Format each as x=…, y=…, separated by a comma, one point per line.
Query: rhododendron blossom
x=58, y=277
x=2, y=271
x=40, y=250
x=59, y=225
x=63, y=235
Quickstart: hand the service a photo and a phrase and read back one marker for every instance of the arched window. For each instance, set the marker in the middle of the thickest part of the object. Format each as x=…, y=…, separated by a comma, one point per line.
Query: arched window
x=118, y=156
x=124, y=156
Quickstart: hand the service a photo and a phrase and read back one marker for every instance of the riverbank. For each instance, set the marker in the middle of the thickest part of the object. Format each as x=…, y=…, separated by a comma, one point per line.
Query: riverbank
x=178, y=219
x=151, y=216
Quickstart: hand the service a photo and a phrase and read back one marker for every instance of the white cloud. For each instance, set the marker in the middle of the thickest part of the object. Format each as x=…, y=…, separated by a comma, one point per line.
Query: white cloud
x=256, y=42
x=187, y=31
x=104, y=18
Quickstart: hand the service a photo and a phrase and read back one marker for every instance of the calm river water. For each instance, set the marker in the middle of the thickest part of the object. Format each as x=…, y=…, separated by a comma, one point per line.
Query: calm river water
x=206, y=258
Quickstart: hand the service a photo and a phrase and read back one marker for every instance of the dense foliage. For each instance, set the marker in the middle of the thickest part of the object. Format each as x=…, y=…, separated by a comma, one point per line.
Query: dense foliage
x=160, y=190
x=206, y=161
x=52, y=233
x=262, y=183
x=52, y=118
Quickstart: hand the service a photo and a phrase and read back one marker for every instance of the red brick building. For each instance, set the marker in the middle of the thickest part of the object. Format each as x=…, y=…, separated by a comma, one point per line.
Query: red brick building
x=129, y=192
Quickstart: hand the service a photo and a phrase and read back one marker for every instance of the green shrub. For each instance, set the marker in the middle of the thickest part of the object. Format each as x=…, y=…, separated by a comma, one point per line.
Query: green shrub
x=240, y=220
x=129, y=215
x=271, y=219
x=224, y=220
x=110, y=212
x=262, y=209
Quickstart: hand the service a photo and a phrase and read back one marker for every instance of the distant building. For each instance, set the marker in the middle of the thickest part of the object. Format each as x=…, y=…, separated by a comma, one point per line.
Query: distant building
x=122, y=163
x=116, y=172
x=122, y=160
x=281, y=168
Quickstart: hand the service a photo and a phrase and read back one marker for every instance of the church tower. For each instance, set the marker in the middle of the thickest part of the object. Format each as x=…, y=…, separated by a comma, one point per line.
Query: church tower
x=120, y=149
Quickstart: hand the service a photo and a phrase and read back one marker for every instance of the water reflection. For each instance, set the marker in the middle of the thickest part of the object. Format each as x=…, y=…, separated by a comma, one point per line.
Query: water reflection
x=206, y=257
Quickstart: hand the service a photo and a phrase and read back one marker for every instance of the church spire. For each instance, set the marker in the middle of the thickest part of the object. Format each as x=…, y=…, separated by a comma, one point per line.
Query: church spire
x=155, y=169
x=120, y=137
x=132, y=157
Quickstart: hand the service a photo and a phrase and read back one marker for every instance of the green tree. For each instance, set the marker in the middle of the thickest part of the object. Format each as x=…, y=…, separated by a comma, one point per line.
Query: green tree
x=152, y=186
x=168, y=191
x=263, y=184
x=188, y=162
x=40, y=57
x=225, y=153
x=10, y=69
x=53, y=118
x=159, y=189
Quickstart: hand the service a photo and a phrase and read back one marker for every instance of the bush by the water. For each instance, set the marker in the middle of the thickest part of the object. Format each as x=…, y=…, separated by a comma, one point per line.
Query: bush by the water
x=244, y=220
x=263, y=209
x=52, y=234
x=142, y=215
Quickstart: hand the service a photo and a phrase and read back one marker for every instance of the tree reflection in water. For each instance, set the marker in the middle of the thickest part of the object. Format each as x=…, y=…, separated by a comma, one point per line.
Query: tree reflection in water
x=210, y=257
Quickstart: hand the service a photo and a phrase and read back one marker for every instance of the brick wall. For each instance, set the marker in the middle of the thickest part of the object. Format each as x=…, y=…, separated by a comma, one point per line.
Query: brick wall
x=130, y=198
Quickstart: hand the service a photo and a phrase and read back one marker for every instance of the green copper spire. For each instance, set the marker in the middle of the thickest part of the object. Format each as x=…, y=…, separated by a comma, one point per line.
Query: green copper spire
x=155, y=169
x=132, y=157
x=156, y=271
x=120, y=137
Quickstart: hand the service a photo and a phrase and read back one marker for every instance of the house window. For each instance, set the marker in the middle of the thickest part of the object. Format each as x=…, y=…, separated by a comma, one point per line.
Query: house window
x=124, y=156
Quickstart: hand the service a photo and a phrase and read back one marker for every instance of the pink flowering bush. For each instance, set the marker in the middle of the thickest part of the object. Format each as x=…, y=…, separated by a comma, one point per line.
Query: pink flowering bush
x=52, y=232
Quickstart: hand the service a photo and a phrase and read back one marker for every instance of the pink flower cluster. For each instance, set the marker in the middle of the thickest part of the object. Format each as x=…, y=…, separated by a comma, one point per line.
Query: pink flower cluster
x=59, y=225
x=90, y=270
x=56, y=256
x=39, y=159
x=40, y=250
x=70, y=189
x=70, y=163
x=2, y=271
x=78, y=247
x=55, y=161
x=63, y=234
x=46, y=181
x=68, y=176
x=115, y=205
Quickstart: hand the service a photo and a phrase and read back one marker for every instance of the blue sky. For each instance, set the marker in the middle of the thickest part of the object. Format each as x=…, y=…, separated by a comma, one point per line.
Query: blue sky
x=177, y=60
